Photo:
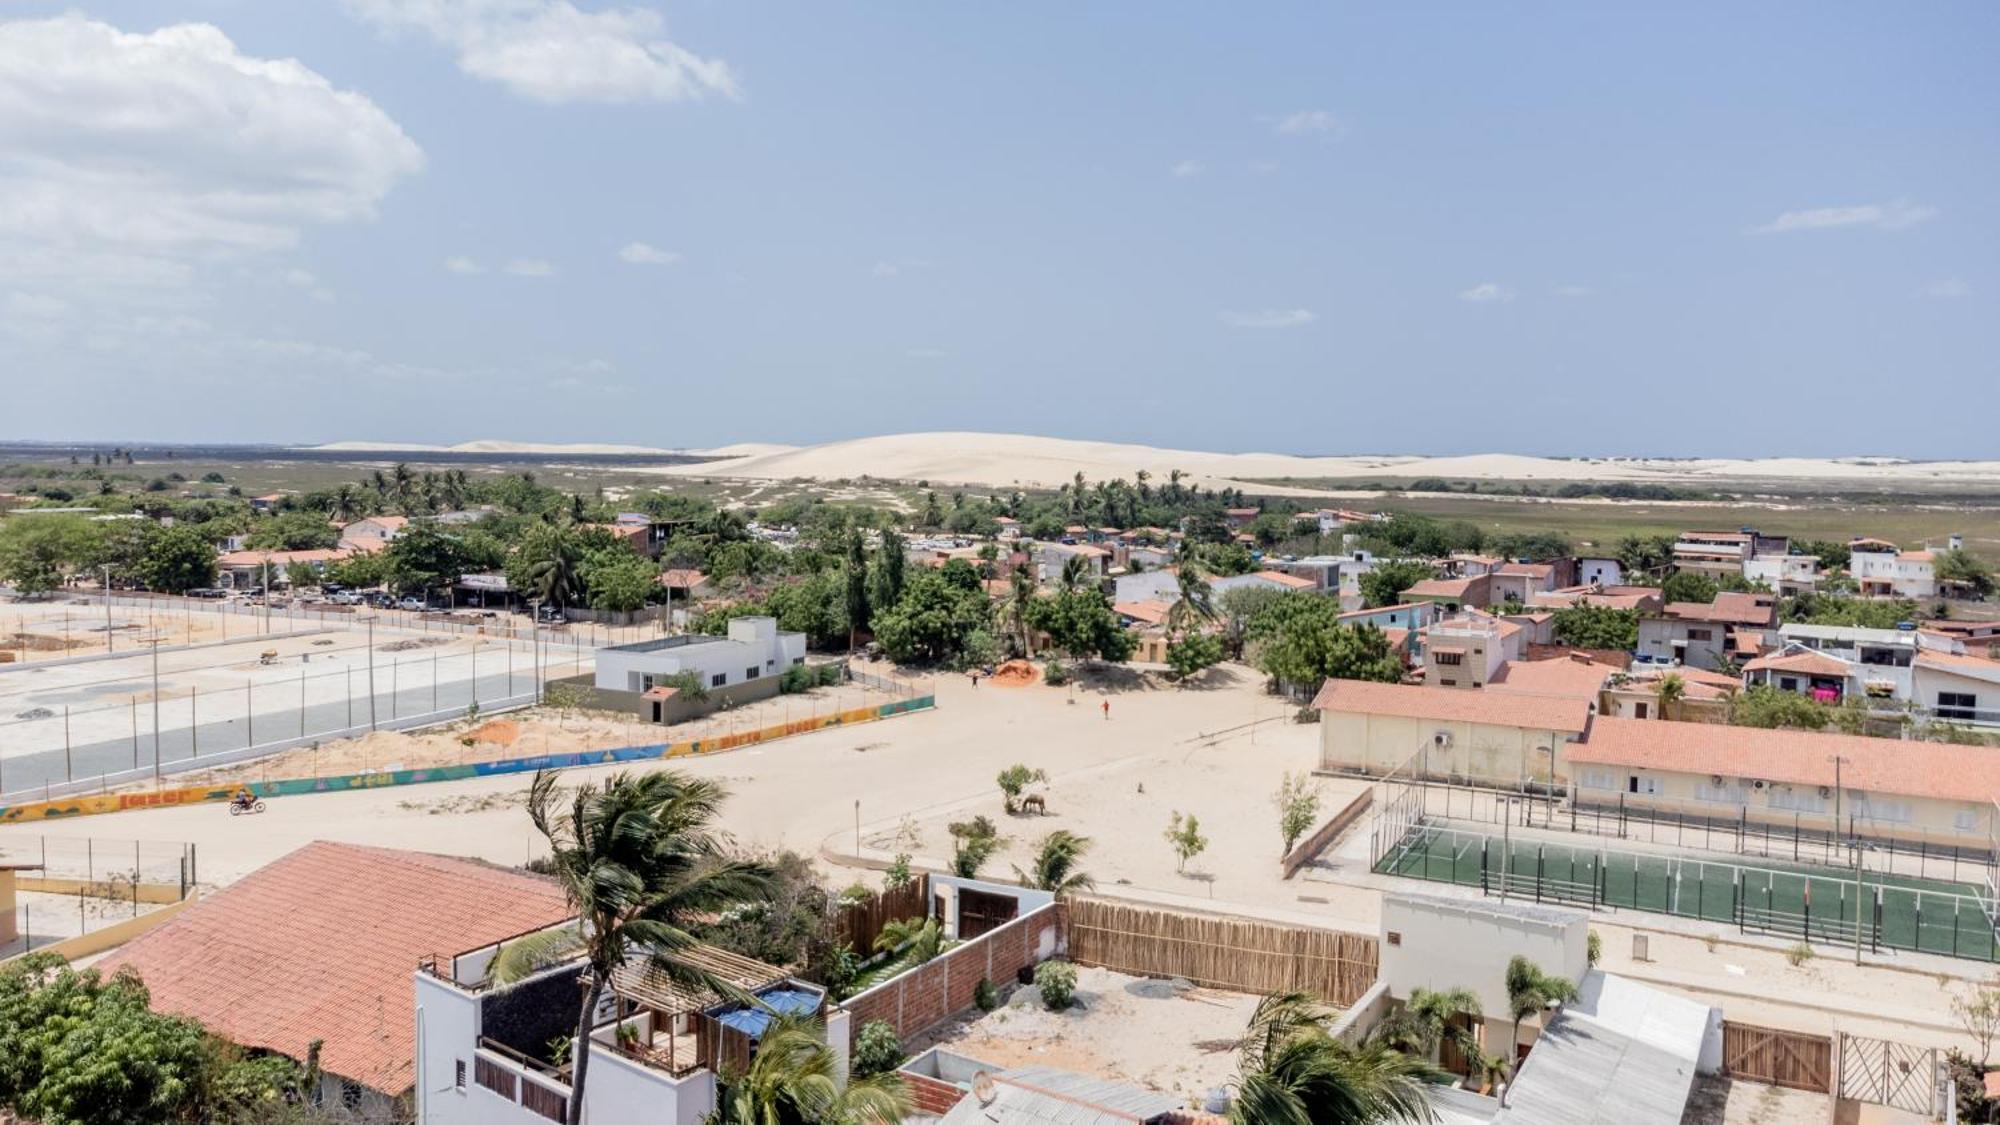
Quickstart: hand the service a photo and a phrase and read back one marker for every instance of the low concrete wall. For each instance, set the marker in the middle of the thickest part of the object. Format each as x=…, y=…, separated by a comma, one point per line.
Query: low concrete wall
x=102, y=888
x=117, y=933
x=1327, y=833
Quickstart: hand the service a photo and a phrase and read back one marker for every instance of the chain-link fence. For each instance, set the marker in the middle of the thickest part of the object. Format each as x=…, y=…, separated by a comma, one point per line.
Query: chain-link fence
x=66, y=887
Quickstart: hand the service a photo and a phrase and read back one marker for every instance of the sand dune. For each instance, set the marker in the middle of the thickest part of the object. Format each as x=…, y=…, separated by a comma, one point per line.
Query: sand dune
x=1004, y=460
x=500, y=448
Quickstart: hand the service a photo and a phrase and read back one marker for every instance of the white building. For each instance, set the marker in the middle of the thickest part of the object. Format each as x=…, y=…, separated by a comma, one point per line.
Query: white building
x=753, y=650
x=1882, y=571
x=1600, y=572
x=1790, y=575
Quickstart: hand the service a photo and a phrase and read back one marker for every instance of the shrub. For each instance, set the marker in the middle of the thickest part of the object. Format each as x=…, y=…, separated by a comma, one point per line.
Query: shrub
x=828, y=674
x=1057, y=982
x=1055, y=673
x=797, y=678
x=877, y=1050
x=1593, y=947
x=985, y=997
x=1799, y=954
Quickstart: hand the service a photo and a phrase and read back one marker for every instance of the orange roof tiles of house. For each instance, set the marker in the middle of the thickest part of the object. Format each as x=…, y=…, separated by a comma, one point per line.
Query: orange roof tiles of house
x=1504, y=709
x=1288, y=581
x=1526, y=570
x=1804, y=663
x=1924, y=555
x=1440, y=588
x=1720, y=612
x=1895, y=767
x=1568, y=678
x=679, y=577
x=1152, y=613
x=322, y=943
x=239, y=559
x=1978, y=667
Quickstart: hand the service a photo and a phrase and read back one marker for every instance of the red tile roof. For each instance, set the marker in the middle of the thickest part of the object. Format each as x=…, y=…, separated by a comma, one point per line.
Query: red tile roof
x=1507, y=709
x=679, y=577
x=1872, y=765
x=1804, y=663
x=322, y=944
x=1441, y=587
x=241, y=560
x=1738, y=609
x=1288, y=581
x=1152, y=613
x=1570, y=678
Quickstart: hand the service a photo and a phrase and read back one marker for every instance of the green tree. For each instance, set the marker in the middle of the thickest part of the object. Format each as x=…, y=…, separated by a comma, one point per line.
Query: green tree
x=1297, y=800
x=174, y=560
x=292, y=531
x=856, y=578
x=1193, y=654
x=915, y=940
x=1431, y=1017
x=641, y=862
x=41, y=553
x=1964, y=569
x=1598, y=627
x=1307, y=645
x=1017, y=607
x=1531, y=992
x=1291, y=1069
x=1184, y=836
x=1013, y=781
x=1384, y=585
x=76, y=1049
x=1672, y=692
x=936, y=616
x=1689, y=586
x=1195, y=605
x=423, y=559
x=814, y=605
x=621, y=582
x=887, y=575
x=793, y=1079
x=1640, y=555
x=1770, y=708
x=1082, y=624
x=548, y=565
x=1055, y=864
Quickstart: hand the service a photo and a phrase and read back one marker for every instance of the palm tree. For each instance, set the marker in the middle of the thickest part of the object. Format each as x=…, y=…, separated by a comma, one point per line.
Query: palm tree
x=1196, y=604
x=640, y=861
x=793, y=1079
x=1673, y=689
x=554, y=564
x=1074, y=572
x=1290, y=1070
x=346, y=506
x=1430, y=1018
x=1530, y=991
x=1014, y=608
x=1055, y=869
x=403, y=484
x=921, y=935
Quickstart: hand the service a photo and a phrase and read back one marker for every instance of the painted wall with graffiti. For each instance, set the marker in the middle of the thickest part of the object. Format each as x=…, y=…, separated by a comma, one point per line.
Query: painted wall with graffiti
x=100, y=803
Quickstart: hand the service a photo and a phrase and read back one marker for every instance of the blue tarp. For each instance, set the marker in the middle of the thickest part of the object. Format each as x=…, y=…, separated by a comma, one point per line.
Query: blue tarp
x=782, y=1001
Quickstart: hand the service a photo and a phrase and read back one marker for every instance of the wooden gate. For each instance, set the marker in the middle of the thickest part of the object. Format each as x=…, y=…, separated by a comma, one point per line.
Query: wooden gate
x=1777, y=1058
x=979, y=912
x=1886, y=1073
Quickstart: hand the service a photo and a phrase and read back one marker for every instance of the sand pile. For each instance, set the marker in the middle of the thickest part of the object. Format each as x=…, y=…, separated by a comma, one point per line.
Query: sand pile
x=1016, y=673
x=498, y=732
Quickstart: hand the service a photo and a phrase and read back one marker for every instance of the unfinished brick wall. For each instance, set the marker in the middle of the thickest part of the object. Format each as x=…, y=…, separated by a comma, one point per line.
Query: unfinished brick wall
x=927, y=995
x=931, y=1095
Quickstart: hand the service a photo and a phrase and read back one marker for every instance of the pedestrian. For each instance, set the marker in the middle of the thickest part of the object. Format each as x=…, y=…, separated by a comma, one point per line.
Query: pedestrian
x=975, y=678
x=1107, y=709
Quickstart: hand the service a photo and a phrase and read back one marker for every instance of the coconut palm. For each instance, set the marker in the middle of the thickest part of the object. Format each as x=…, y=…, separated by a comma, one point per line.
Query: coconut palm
x=1673, y=689
x=793, y=1079
x=1291, y=1071
x=1430, y=1018
x=1196, y=604
x=346, y=506
x=554, y=561
x=403, y=484
x=921, y=935
x=640, y=861
x=1530, y=991
x=1055, y=868
x=1015, y=606
x=1075, y=574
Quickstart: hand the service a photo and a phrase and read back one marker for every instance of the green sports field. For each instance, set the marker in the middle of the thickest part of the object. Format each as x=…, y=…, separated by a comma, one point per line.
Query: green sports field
x=1817, y=904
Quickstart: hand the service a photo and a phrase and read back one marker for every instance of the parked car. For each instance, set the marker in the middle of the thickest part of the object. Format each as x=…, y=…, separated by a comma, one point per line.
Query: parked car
x=411, y=604
x=345, y=597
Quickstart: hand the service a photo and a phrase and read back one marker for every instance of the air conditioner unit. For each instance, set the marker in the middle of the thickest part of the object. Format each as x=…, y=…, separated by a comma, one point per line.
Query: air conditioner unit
x=1715, y=780
x=1826, y=791
x=1759, y=784
x=1441, y=739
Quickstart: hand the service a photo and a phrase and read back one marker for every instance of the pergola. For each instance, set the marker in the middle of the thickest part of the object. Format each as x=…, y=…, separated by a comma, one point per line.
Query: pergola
x=642, y=983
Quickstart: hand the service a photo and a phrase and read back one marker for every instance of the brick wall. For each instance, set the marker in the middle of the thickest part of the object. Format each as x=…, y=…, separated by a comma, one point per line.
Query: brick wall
x=927, y=995
x=931, y=1095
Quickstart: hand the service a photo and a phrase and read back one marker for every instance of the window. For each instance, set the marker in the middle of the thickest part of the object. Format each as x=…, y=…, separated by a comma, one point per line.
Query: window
x=1447, y=683
x=1966, y=821
x=751, y=672
x=1956, y=705
x=1638, y=710
x=797, y=660
x=458, y=1074
x=1598, y=779
x=1797, y=800
x=1701, y=634
x=1643, y=786
x=719, y=679
x=1450, y=658
x=1789, y=683
x=350, y=1094
x=1724, y=794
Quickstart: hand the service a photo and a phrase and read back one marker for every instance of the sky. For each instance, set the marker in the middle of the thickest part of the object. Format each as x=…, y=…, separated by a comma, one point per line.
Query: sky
x=1704, y=230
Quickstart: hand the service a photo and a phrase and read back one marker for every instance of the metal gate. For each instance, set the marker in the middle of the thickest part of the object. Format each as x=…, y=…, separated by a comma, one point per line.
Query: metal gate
x=1893, y=1074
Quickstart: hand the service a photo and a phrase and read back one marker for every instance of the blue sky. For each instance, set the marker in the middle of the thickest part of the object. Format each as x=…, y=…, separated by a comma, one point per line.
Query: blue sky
x=1712, y=230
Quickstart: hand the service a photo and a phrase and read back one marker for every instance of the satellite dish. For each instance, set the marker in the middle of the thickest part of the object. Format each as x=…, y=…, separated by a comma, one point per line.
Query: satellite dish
x=983, y=1088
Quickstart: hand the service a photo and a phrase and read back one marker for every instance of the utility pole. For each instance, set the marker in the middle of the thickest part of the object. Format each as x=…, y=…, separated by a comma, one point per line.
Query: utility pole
x=107, y=608
x=1857, y=902
x=371, y=672
x=156, y=705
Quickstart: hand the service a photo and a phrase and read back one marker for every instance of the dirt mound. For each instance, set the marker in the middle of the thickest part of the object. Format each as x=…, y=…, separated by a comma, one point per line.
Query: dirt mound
x=499, y=732
x=1016, y=673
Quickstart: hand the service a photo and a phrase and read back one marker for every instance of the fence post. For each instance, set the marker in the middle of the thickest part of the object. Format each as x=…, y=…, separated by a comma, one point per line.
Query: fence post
x=249, y=718
x=69, y=767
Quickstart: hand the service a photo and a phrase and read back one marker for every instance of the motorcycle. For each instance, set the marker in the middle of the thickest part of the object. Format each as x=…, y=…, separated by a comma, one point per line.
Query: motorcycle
x=238, y=808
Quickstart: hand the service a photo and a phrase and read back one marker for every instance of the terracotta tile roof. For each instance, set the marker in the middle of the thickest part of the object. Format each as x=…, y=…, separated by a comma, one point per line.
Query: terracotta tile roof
x=1873, y=765
x=1526, y=570
x=1804, y=663
x=1507, y=709
x=680, y=577
x=1924, y=555
x=1152, y=613
x=1288, y=581
x=392, y=523
x=237, y=560
x=322, y=944
x=1732, y=612
x=1570, y=678
x=1441, y=587
x=1961, y=663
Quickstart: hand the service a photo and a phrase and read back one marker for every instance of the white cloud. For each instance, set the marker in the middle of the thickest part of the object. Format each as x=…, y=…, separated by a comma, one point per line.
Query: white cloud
x=1307, y=121
x=133, y=158
x=1573, y=291
x=643, y=254
x=1900, y=215
x=1187, y=168
x=551, y=51
x=1270, y=318
x=529, y=267
x=1486, y=292
x=1945, y=289
x=301, y=278
x=462, y=265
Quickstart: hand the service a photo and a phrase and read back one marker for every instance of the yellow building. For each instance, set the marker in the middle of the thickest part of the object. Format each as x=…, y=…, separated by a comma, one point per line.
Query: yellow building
x=1487, y=737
